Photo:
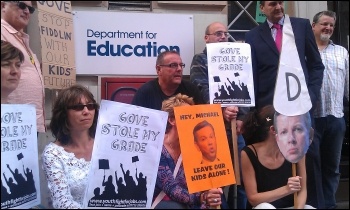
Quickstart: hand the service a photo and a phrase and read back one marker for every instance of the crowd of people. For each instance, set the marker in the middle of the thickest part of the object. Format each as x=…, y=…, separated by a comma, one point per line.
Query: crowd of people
x=268, y=142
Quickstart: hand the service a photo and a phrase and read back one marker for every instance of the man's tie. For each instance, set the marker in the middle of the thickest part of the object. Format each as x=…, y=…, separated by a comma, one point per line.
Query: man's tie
x=278, y=38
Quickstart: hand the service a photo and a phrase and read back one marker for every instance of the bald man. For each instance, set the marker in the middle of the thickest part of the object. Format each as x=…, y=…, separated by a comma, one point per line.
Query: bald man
x=214, y=33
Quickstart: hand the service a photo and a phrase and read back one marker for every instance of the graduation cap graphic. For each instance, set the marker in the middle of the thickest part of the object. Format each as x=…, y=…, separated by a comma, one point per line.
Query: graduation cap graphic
x=20, y=156
x=217, y=79
x=135, y=159
x=103, y=164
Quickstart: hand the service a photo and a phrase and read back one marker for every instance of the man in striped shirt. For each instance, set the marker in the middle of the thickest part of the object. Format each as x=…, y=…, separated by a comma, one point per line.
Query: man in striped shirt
x=329, y=120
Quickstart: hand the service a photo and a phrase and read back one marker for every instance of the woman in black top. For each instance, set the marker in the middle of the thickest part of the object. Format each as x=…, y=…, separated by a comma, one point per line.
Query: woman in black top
x=267, y=175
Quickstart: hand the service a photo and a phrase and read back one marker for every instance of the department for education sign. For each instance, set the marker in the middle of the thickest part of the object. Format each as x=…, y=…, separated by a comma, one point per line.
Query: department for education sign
x=126, y=43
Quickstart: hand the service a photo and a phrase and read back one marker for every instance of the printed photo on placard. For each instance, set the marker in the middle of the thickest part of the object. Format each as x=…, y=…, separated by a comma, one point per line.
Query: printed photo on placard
x=204, y=147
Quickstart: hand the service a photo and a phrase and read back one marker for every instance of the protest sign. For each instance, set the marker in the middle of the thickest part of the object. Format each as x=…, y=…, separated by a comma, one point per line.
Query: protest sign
x=20, y=183
x=291, y=95
x=125, y=157
x=230, y=74
x=204, y=147
x=57, y=43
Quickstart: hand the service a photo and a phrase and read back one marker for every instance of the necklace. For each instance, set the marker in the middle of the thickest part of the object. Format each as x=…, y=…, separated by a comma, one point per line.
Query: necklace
x=28, y=51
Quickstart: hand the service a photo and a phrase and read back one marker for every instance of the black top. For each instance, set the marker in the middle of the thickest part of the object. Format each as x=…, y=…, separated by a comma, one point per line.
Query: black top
x=270, y=179
x=151, y=96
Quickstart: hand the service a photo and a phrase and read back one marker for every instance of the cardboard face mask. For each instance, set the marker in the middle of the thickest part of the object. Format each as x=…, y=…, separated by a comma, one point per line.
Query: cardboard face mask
x=293, y=136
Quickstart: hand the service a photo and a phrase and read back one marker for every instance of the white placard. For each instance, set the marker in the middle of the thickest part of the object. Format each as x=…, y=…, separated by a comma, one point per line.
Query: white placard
x=291, y=95
x=126, y=155
x=126, y=43
x=20, y=182
x=230, y=74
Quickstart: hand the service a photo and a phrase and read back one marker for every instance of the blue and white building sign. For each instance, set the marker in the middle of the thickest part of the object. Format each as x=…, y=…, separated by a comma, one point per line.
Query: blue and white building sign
x=124, y=43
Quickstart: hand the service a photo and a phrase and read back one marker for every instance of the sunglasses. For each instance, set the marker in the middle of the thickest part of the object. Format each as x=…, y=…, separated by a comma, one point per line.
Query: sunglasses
x=23, y=6
x=79, y=107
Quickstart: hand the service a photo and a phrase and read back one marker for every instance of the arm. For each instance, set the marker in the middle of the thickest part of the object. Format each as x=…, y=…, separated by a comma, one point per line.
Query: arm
x=242, y=111
x=121, y=166
x=302, y=194
x=175, y=188
x=314, y=65
x=8, y=166
x=346, y=86
x=226, y=86
x=233, y=112
x=57, y=181
x=103, y=182
x=5, y=179
x=139, y=98
x=116, y=178
x=250, y=185
x=199, y=75
x=24, y=171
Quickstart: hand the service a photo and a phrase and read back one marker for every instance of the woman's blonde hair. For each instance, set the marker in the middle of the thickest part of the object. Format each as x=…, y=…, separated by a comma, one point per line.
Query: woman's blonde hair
x=174, y=101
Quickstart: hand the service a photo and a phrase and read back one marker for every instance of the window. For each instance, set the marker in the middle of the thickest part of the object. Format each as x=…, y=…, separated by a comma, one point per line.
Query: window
x=130, y=5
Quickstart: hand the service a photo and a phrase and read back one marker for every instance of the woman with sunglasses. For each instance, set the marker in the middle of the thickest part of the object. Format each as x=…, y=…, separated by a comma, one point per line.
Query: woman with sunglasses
x=66, y=161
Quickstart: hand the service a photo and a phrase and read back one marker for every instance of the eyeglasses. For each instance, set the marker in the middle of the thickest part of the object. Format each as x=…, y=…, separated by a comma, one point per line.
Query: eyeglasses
x=220, y=33
x=23, y=6
x=79, y=107
x=174, y=65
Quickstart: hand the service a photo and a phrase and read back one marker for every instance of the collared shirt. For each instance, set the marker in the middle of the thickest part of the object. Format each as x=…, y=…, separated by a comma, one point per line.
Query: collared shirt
x=30, y=89
x=273, y=29
x=335, y=84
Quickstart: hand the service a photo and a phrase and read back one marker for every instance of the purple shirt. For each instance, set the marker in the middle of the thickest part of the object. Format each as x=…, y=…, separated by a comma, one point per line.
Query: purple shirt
x=175, y=189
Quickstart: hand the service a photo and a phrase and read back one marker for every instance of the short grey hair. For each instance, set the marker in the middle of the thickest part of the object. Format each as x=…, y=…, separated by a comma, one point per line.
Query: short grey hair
x=327, y=13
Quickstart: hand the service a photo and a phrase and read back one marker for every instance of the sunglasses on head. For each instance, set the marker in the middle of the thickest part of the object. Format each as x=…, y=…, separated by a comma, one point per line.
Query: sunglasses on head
x=79, y=107
x=23, y=6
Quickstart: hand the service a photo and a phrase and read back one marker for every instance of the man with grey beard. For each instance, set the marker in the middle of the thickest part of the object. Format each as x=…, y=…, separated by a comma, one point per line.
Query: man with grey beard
x=329, y=116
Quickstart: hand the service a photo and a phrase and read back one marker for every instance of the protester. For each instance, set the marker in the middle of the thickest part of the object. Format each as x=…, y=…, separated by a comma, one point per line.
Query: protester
x=205, y=141
x=11, y=61
x=265, y=63
x=169, y=69
x=66, y=161
x=262, y=161
x=214, y=33
x=329, y=115
x=172, y=192
x=14, y=19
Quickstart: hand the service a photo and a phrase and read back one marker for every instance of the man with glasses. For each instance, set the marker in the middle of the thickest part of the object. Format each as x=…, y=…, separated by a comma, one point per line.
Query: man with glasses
x=14, y=19
x=214, y=33
x=329, y=115
x=169, y=69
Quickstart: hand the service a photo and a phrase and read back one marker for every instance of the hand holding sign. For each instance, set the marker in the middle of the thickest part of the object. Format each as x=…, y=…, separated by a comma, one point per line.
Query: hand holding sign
x=294, y=135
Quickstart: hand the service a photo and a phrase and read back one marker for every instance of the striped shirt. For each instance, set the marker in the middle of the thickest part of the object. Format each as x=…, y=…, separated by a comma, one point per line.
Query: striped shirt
x=335, y=81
